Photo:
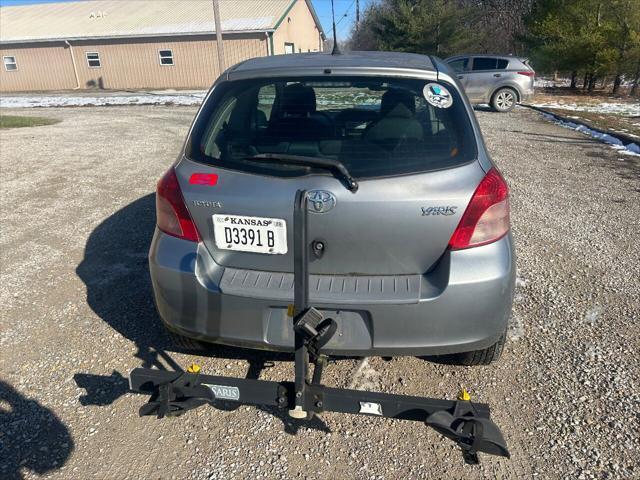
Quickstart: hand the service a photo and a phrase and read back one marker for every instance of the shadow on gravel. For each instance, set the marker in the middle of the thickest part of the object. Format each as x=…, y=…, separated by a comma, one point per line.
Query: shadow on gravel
x=558, y=138
x=116, y=274
x=625, y=166
x=101, y=390
x=563, y=139
x=32, y=437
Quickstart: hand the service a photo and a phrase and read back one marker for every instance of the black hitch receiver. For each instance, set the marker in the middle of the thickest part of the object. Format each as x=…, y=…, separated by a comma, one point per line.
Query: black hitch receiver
x=468, y=424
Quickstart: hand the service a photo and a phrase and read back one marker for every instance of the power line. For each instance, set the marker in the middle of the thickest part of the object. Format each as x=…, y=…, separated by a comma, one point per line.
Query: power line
x=344, y=15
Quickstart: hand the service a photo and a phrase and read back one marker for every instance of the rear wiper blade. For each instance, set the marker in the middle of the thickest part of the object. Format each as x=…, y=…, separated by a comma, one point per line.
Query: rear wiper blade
x=334, y=166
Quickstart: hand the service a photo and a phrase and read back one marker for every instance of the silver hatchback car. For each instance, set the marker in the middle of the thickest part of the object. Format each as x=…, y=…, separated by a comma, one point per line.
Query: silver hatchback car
x=417, y=253
x=500, y=81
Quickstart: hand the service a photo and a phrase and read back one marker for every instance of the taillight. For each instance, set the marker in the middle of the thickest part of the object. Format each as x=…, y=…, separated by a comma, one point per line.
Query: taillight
x=172, y=215
x=486, y=218
x=527, y=73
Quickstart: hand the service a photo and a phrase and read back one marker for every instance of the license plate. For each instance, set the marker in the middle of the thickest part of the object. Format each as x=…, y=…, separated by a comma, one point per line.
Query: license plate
x=250, y=234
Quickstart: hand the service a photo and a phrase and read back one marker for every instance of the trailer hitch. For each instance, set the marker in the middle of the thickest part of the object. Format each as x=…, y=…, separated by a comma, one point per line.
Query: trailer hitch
x=467, y=423
x=316, y=330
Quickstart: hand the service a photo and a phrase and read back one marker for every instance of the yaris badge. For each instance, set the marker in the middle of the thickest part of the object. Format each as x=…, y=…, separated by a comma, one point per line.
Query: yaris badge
x=445, y=210
x=320, y=201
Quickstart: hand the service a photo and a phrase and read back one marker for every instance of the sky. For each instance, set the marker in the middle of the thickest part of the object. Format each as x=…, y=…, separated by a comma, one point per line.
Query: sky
x=345, y=13
x=342, y=8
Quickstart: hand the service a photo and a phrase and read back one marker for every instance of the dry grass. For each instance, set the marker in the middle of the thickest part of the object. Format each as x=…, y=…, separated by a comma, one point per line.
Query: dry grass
x=579, y=96
x=610, y=121
x=16, y=121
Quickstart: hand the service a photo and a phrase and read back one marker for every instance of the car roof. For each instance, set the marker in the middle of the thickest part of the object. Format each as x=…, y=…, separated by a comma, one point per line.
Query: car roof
x=385, y=60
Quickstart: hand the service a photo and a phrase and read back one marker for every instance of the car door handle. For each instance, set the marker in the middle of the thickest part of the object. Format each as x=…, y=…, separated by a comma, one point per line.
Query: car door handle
x=497, y=74
x=460, y=77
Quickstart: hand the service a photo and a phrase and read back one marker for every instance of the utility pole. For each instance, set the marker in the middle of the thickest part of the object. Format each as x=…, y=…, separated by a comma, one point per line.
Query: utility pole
x=219, y=45
x=357, y=15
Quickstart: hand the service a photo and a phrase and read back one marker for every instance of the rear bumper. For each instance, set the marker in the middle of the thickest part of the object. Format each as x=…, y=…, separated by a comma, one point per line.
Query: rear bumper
x=526, y=96
x=462, y=305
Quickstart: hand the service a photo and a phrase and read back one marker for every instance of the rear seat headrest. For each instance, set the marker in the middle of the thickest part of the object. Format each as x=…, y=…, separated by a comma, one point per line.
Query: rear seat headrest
x=298, y=99
x=397, y=103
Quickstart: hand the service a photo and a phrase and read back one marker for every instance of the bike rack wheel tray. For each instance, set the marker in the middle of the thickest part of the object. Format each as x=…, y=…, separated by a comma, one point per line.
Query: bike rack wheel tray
x=173, y=393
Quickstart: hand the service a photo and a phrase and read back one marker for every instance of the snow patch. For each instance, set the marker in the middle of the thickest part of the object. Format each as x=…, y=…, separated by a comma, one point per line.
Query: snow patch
x=543, y=82
x=191, y=99
x=619, y=108
x=633, y=148
x=616, y=143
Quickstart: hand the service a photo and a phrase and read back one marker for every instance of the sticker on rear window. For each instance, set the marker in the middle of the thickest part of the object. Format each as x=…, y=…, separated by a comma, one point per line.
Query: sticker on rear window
x=437, y=95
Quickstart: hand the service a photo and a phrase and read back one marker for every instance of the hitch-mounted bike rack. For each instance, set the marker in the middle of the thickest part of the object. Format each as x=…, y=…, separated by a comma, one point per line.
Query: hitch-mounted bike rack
x=467, y=423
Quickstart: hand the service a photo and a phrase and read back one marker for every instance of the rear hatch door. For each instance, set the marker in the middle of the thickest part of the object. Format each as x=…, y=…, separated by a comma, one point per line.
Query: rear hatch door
x=390, y=226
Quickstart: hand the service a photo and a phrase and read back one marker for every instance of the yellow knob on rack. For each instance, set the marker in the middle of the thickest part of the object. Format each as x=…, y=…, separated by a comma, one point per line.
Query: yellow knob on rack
x=464, y=395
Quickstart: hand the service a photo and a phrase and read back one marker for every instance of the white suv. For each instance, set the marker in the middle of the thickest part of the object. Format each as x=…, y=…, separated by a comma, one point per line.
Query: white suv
x=500, y=81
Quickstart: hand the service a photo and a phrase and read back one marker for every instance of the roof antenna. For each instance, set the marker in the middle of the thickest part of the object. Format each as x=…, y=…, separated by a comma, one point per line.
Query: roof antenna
x=336, y=49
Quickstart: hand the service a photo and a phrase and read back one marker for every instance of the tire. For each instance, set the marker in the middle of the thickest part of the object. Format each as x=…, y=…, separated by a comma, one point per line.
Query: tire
x=477, y=357
x=187, y=344
x=504, y=100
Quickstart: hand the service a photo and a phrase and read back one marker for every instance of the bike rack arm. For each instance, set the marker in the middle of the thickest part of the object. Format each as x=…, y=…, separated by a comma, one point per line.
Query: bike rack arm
x=281, y=394
x=245, y=391
x=300, y=298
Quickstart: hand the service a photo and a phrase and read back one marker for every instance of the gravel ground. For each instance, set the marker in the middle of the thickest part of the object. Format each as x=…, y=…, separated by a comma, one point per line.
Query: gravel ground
x=77, y=215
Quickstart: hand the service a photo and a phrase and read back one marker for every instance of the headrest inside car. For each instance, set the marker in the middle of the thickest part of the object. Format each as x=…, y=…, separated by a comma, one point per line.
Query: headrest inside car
x=298, y=100
x=397, y=103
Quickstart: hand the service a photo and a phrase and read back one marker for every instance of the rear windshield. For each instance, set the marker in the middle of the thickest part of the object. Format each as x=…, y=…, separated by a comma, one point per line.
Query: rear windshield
x=375, y=126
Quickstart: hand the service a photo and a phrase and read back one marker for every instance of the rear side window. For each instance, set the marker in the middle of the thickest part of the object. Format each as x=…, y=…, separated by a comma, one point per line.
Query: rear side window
x=375, y=126
x=483, y=63
x=459, y=65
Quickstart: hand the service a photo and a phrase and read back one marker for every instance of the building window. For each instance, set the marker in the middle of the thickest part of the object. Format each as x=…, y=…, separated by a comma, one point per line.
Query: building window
x=93, y=60
x=166, y=57
x=10, y=64
x=289, y=47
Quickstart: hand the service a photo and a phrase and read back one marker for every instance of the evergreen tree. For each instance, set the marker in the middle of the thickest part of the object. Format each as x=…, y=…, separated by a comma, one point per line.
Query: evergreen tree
x=589, y=39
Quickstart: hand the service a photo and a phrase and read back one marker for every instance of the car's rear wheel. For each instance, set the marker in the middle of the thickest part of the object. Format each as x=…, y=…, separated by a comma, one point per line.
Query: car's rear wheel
x=504, y=100
x=485, y=356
